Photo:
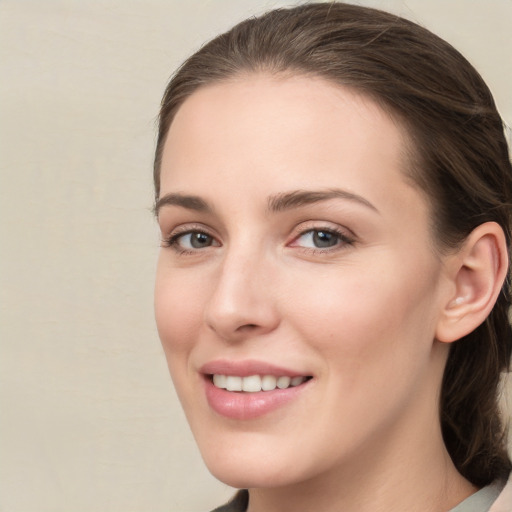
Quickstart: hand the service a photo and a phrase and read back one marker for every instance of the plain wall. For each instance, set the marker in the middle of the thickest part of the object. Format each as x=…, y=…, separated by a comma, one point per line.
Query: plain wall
x=89, y=421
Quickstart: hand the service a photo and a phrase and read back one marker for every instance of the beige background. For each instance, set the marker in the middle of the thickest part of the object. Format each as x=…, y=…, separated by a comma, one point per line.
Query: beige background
x=89, y=421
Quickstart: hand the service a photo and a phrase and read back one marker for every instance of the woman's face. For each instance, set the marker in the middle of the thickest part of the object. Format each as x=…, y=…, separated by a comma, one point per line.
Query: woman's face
x=295, y=254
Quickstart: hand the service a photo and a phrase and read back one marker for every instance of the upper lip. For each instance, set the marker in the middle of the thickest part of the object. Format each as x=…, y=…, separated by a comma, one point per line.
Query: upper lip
x=246, y=368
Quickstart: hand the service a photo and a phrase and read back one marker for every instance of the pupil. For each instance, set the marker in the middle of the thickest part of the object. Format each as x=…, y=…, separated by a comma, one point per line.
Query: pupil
x=324, y=239
x=198, y=240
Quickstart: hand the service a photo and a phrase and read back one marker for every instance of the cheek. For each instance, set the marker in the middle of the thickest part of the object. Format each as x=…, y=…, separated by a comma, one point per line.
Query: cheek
x=374, y=317
x=178, y=313
x=178, y=309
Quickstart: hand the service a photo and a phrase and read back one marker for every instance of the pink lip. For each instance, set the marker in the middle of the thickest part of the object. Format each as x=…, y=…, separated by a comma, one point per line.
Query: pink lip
x=246, y=368
x=247, y=406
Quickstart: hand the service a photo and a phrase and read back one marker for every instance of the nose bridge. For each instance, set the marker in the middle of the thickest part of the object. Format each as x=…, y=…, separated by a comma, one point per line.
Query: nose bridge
x=242, y=300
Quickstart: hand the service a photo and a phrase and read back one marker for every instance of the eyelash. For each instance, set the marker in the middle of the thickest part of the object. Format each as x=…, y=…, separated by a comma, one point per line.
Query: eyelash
x=343, y=240
x=173, y=241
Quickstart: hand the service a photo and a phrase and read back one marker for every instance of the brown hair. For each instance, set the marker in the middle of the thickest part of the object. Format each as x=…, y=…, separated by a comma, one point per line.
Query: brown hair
x=458, y=157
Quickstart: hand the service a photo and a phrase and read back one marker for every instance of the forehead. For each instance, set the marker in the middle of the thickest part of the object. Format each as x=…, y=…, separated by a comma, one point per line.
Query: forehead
x=258, y=102
x=261, y=131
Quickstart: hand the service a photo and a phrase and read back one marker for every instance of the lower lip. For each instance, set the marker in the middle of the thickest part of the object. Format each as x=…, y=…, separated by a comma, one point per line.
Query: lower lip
x=248, y=406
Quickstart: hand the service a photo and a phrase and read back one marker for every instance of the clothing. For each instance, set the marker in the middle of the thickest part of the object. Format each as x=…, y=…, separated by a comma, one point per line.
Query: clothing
x=496, y=497
x=238, y=503
x=483, y=500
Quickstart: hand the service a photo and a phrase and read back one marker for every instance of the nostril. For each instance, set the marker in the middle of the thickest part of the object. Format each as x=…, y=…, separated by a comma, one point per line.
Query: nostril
x=247, y=327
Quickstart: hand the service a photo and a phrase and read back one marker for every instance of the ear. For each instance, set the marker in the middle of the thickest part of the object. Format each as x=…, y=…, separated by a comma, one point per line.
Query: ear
x=477, y=271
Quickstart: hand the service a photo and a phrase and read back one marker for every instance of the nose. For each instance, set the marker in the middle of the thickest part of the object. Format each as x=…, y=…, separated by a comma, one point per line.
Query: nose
x=242, y=304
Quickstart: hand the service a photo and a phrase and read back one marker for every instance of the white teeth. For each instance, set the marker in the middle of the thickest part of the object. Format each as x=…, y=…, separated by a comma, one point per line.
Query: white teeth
x=268, y=383
x=219, y=381
x=233, y=383
x=283, y=382
x=255, y=383
x=296, y=381
x=251, y=384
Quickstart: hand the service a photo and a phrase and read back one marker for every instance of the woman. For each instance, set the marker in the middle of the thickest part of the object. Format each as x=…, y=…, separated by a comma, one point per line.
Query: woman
x=334, y=193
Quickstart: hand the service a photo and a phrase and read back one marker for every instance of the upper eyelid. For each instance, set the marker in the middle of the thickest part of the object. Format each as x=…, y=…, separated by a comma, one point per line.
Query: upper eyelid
x=319, y=225
x=182, y=229
x=170, y=236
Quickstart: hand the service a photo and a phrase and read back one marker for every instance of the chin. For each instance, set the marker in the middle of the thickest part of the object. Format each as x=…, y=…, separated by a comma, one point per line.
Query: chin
x=253, y=462
x=241, y=476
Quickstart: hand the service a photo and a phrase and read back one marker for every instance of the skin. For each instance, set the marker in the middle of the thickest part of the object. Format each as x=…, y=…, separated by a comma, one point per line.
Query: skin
x=360, y=317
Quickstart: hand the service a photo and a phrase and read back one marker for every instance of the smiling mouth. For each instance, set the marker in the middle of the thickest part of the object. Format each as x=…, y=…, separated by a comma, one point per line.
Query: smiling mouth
x=256, y=383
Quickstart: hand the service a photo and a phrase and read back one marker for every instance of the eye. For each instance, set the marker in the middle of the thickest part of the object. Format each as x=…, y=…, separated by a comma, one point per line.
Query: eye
x=191, y=241
x=321, y=239
x=195, y=240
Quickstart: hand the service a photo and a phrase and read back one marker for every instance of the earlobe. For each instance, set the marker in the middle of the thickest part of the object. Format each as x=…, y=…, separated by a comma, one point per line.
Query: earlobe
x=479, y=269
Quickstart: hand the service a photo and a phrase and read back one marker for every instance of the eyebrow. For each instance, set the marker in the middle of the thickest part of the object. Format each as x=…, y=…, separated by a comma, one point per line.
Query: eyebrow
x=184, y=200
x=276, y=203
x=299, y=198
